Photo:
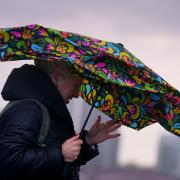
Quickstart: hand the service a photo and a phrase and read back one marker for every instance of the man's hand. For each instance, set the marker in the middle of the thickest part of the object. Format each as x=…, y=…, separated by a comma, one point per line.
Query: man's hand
x=100, y=132
x=71, y=148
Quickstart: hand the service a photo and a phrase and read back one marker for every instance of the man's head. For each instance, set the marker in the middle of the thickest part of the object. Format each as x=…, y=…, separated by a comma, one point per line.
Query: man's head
x=66, y=80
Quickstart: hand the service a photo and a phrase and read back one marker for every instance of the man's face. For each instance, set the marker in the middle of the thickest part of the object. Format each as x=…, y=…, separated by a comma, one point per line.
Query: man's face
x=68, y=87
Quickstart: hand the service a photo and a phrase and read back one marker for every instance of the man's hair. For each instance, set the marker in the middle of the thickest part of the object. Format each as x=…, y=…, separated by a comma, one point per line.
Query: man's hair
x=54, y=66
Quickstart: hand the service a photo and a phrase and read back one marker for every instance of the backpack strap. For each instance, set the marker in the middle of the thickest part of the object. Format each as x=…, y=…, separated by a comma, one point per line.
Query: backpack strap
x=45, y=122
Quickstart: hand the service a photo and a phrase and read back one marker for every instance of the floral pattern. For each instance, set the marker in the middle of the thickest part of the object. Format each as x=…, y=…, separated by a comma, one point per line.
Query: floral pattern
x=131, y=92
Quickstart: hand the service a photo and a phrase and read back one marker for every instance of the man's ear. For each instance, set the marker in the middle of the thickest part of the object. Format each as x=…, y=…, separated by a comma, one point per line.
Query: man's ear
x=54, y=77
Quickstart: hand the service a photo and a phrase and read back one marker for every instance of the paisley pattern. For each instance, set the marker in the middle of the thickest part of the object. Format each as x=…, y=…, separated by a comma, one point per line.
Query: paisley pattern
x=130, y=91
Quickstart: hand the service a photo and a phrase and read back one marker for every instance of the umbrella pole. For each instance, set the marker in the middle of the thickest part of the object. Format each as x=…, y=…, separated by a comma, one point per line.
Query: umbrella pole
x=67, y=165
x=90, y=111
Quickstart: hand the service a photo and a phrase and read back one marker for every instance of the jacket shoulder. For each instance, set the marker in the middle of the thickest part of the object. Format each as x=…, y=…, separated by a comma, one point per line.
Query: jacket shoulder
x=23, y=112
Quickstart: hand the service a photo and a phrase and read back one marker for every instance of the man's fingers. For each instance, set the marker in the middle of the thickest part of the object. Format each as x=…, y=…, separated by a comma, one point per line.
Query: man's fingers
x=74, y=138
x=71, y=159
x=98, y=120
x=71, y=148
x=114, y=127
x=111, y=122
x=77, y=142
x=76, y=148
x=114, y=135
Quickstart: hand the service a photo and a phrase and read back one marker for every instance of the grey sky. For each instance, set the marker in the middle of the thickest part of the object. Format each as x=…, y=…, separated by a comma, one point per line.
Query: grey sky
x=124, y=16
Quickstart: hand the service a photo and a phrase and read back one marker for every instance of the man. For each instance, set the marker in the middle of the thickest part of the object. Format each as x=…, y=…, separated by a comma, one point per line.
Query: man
x=53, y=84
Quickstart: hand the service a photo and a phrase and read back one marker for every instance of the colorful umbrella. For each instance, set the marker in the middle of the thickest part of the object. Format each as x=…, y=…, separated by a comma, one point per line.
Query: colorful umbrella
x=130, y=91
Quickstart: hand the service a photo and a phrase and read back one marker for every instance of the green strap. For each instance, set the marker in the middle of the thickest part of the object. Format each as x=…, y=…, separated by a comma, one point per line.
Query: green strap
x=45, y=123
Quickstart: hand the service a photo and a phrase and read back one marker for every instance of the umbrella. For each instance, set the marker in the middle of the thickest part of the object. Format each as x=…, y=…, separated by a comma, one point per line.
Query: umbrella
x=130, y=92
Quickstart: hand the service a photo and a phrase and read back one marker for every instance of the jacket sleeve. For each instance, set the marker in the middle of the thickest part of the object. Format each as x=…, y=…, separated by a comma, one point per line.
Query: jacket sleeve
x=87, y=152
x=19, y=153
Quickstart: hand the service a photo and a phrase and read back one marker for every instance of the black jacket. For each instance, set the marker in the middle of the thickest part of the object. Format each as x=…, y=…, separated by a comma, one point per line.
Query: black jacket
x=20, y=155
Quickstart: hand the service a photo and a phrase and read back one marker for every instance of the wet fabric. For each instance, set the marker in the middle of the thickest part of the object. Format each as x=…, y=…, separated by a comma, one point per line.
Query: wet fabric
x=131, y=92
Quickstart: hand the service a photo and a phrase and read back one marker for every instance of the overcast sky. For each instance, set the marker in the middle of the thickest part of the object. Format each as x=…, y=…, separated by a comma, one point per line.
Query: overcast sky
x=150, y=29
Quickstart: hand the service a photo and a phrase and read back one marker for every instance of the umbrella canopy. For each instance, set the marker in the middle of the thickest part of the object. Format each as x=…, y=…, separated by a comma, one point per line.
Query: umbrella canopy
x=130, y=91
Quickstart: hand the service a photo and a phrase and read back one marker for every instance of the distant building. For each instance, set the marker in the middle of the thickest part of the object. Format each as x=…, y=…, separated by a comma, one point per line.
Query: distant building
x=169, y=155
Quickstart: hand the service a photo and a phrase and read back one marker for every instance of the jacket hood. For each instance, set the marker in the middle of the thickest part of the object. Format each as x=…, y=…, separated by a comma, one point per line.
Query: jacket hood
x=29, y=82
